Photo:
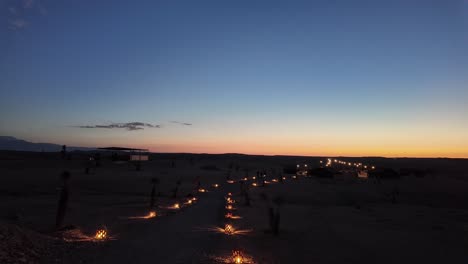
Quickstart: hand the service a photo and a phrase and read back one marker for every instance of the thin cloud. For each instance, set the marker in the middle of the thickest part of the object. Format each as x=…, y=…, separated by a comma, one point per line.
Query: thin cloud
x=130, y=126
x=12, y=10
x=19, y=13
x=17, y=24
x=28, y=3
x=181, y=123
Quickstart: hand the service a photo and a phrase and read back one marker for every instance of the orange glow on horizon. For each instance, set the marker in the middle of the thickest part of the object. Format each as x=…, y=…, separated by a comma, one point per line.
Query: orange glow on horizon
x=380, y=144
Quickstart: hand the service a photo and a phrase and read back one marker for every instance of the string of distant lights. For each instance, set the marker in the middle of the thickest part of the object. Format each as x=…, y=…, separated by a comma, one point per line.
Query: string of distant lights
x=331, y=162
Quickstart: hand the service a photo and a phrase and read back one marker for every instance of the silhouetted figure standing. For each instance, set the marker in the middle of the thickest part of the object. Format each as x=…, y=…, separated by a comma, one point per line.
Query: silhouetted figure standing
x=63, y=200
x=176, y=189
x=97, y=159
x=63, y=153
x=197, y=183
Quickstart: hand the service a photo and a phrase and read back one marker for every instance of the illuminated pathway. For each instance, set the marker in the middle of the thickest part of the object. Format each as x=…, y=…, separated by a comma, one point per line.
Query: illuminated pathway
x=170, y=239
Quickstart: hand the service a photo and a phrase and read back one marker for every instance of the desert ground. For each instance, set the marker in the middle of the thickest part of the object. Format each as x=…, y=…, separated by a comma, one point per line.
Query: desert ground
x=344, y=219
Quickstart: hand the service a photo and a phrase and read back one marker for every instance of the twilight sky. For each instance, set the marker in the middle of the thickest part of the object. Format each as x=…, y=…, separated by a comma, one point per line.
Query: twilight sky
x=358, y=78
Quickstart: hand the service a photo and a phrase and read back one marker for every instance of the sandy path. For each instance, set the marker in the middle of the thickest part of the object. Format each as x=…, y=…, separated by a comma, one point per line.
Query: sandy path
x=177, y=238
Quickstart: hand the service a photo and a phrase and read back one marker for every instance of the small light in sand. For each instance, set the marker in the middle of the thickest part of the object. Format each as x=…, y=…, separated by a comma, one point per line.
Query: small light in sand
x=230, y=201
x=229, y=207
x=151, y=214
x=229, y=229
x=254, y=184
x=201, y=190
x=237, y=257
x=175, y=206
x=349, y=164
x=231, y=216
x=229, y=194
x=216, y=185
x=230, y=181
x=284, y=178
x=253, y=178
x=189, y=201
x=274, y=180
x=101, y=234
x=373, y=167
x=294, y=176
x=298, y=165
x=335, y=160
x=365, y=167
x=321, y=161
x=245, y=179
x=194, y=199
x=305, y=165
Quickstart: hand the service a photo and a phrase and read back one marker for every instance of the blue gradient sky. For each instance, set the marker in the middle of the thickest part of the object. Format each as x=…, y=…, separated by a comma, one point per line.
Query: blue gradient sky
x=386, y=78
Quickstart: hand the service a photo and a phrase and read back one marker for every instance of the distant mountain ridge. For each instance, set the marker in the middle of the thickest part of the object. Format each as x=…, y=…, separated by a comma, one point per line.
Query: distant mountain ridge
x=12, y=143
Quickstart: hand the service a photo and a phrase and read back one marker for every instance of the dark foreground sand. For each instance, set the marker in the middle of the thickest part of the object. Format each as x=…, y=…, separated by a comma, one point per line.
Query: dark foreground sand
x=340, y=220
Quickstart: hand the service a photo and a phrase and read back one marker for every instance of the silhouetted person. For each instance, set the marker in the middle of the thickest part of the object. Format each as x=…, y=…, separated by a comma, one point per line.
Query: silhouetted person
x=63, y=200
x=63, y=153
x=97, y=159
x=176, y=189
x=197, y=183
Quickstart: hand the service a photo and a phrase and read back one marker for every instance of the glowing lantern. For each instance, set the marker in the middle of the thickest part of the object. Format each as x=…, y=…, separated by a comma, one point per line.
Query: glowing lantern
x=254, y=184
x=229, y=194
x=229, y=207
x=237, y=257
x=228, y=229
x=176, y=206
x=231, y=216
x=101, y=234
x=216, y=185
x=253, y=178
x=274, y=180
x=230, y=181
x=373, y=167
x=151, y=214
x=201, y=190
x=229, y=200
